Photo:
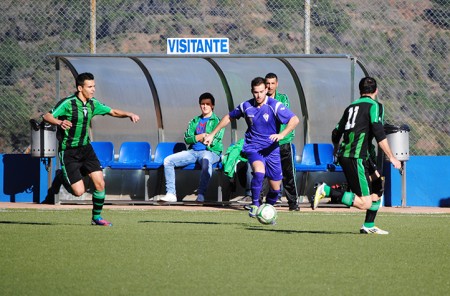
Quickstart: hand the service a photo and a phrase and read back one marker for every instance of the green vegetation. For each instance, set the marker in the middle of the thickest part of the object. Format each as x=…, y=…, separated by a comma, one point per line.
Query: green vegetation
x=15, y=102
x=157, y=252
x=13, y=61
x=280, y=20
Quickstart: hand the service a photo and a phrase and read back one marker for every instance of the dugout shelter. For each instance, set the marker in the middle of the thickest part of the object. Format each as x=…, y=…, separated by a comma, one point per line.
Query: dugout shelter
x=164, y=89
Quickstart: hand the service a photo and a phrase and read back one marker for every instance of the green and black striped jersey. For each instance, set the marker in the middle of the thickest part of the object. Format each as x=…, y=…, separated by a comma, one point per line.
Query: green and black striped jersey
x=80, y=114
x=372, y=148
x=361, y=122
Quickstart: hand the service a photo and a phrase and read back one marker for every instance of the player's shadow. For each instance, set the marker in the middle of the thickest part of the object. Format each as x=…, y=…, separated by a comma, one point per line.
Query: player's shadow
x=42, y=223
x=21, y=176
x=285, y=231
x=191, y=222
x=26, y=223
x=444, y=202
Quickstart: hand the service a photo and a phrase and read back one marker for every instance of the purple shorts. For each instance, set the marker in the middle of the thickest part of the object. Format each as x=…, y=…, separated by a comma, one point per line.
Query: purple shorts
x=270, y=157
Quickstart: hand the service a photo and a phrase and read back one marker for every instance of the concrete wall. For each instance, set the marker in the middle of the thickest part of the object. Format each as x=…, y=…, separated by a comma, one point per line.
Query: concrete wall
x=25, y=179
x=427, y=179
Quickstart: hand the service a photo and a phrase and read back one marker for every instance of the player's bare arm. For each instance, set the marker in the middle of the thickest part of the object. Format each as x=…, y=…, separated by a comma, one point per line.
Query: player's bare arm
x=289, y=128
x=122, y=114
x=384, y=145
x=223, y=123
x=64, y=124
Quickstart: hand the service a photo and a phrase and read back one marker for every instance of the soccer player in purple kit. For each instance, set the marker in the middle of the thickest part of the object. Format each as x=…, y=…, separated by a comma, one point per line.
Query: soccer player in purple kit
x=263, y=115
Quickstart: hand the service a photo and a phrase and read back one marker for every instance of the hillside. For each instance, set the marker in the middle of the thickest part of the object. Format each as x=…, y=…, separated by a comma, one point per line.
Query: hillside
x=405, y=43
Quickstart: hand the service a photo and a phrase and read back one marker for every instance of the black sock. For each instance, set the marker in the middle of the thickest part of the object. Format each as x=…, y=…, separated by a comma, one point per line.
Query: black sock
x=336, y=194
x=370, y=218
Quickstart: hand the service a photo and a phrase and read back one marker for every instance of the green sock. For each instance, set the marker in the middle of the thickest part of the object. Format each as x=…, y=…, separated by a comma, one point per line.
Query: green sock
x=369, y=224
x=327, y=190
x=371, y=214
x=98, y=199
x=347, y=198
x=375, y=205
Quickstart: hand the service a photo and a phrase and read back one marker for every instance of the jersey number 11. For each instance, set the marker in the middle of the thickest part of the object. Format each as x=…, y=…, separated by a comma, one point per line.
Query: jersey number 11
x=352, y=113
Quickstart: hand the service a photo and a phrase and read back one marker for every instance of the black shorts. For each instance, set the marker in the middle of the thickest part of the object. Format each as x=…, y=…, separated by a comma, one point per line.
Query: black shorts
x=357, y=172
x=372, y=166
x=79, y=162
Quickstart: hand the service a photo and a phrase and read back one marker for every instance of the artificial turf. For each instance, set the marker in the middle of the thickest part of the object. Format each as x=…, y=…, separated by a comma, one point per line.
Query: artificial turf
x=155, y=252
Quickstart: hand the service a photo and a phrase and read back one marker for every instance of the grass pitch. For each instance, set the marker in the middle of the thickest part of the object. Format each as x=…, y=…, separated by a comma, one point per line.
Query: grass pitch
x=157, y=252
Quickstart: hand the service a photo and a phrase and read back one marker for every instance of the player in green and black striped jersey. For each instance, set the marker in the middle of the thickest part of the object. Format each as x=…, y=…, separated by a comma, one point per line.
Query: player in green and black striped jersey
x=73, y=117
x=361, y=122
x=80, y=114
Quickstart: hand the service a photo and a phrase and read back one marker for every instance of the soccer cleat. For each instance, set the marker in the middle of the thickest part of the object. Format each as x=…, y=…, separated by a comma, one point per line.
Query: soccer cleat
x=200, y=198
x=372, y=230
x=245, y=199
x=252, y=211
x=320, y=193
x=101, y=222
x=294, y=207
x=169, y=197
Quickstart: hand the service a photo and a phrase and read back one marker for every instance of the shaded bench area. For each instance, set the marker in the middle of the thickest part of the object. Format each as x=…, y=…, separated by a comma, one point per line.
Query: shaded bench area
x=135, y=159
x=317, y=165
x=139, y=176
x=163, y=90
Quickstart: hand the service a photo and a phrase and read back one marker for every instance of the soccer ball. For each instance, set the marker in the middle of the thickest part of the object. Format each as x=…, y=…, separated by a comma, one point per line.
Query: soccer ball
x=266, y=214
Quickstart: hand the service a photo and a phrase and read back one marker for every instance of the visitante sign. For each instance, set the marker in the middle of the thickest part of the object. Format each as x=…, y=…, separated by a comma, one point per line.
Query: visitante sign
x=198, y=46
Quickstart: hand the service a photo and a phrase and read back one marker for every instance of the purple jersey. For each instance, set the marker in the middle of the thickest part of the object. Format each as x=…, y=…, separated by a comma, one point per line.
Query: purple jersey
x=262, y=122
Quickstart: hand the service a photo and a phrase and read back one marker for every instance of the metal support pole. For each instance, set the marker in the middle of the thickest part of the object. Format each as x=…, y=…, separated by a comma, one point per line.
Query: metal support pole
x=403, y=184
x=58, y=78
x=58, y=98
x=49, y=174
x=352, y=78
x=307, y=25
x=93, y=37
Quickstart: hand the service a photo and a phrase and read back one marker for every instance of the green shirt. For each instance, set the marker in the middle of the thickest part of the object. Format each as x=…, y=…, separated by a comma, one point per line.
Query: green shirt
x=361, y=122
x=232, y=157
x=216, y=145
x=80, y=115
x=285, y=100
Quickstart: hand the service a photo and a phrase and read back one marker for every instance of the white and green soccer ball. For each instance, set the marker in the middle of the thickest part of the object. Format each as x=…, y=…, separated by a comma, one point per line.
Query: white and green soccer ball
x=266, y=214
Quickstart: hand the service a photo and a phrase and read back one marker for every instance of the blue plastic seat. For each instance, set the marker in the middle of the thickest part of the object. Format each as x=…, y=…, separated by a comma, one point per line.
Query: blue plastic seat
x=317, y=157
x=326, y=157
x=325, y=151
x=132, y=155
x=164, y=149
x=104, y=152
x=310, y=160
